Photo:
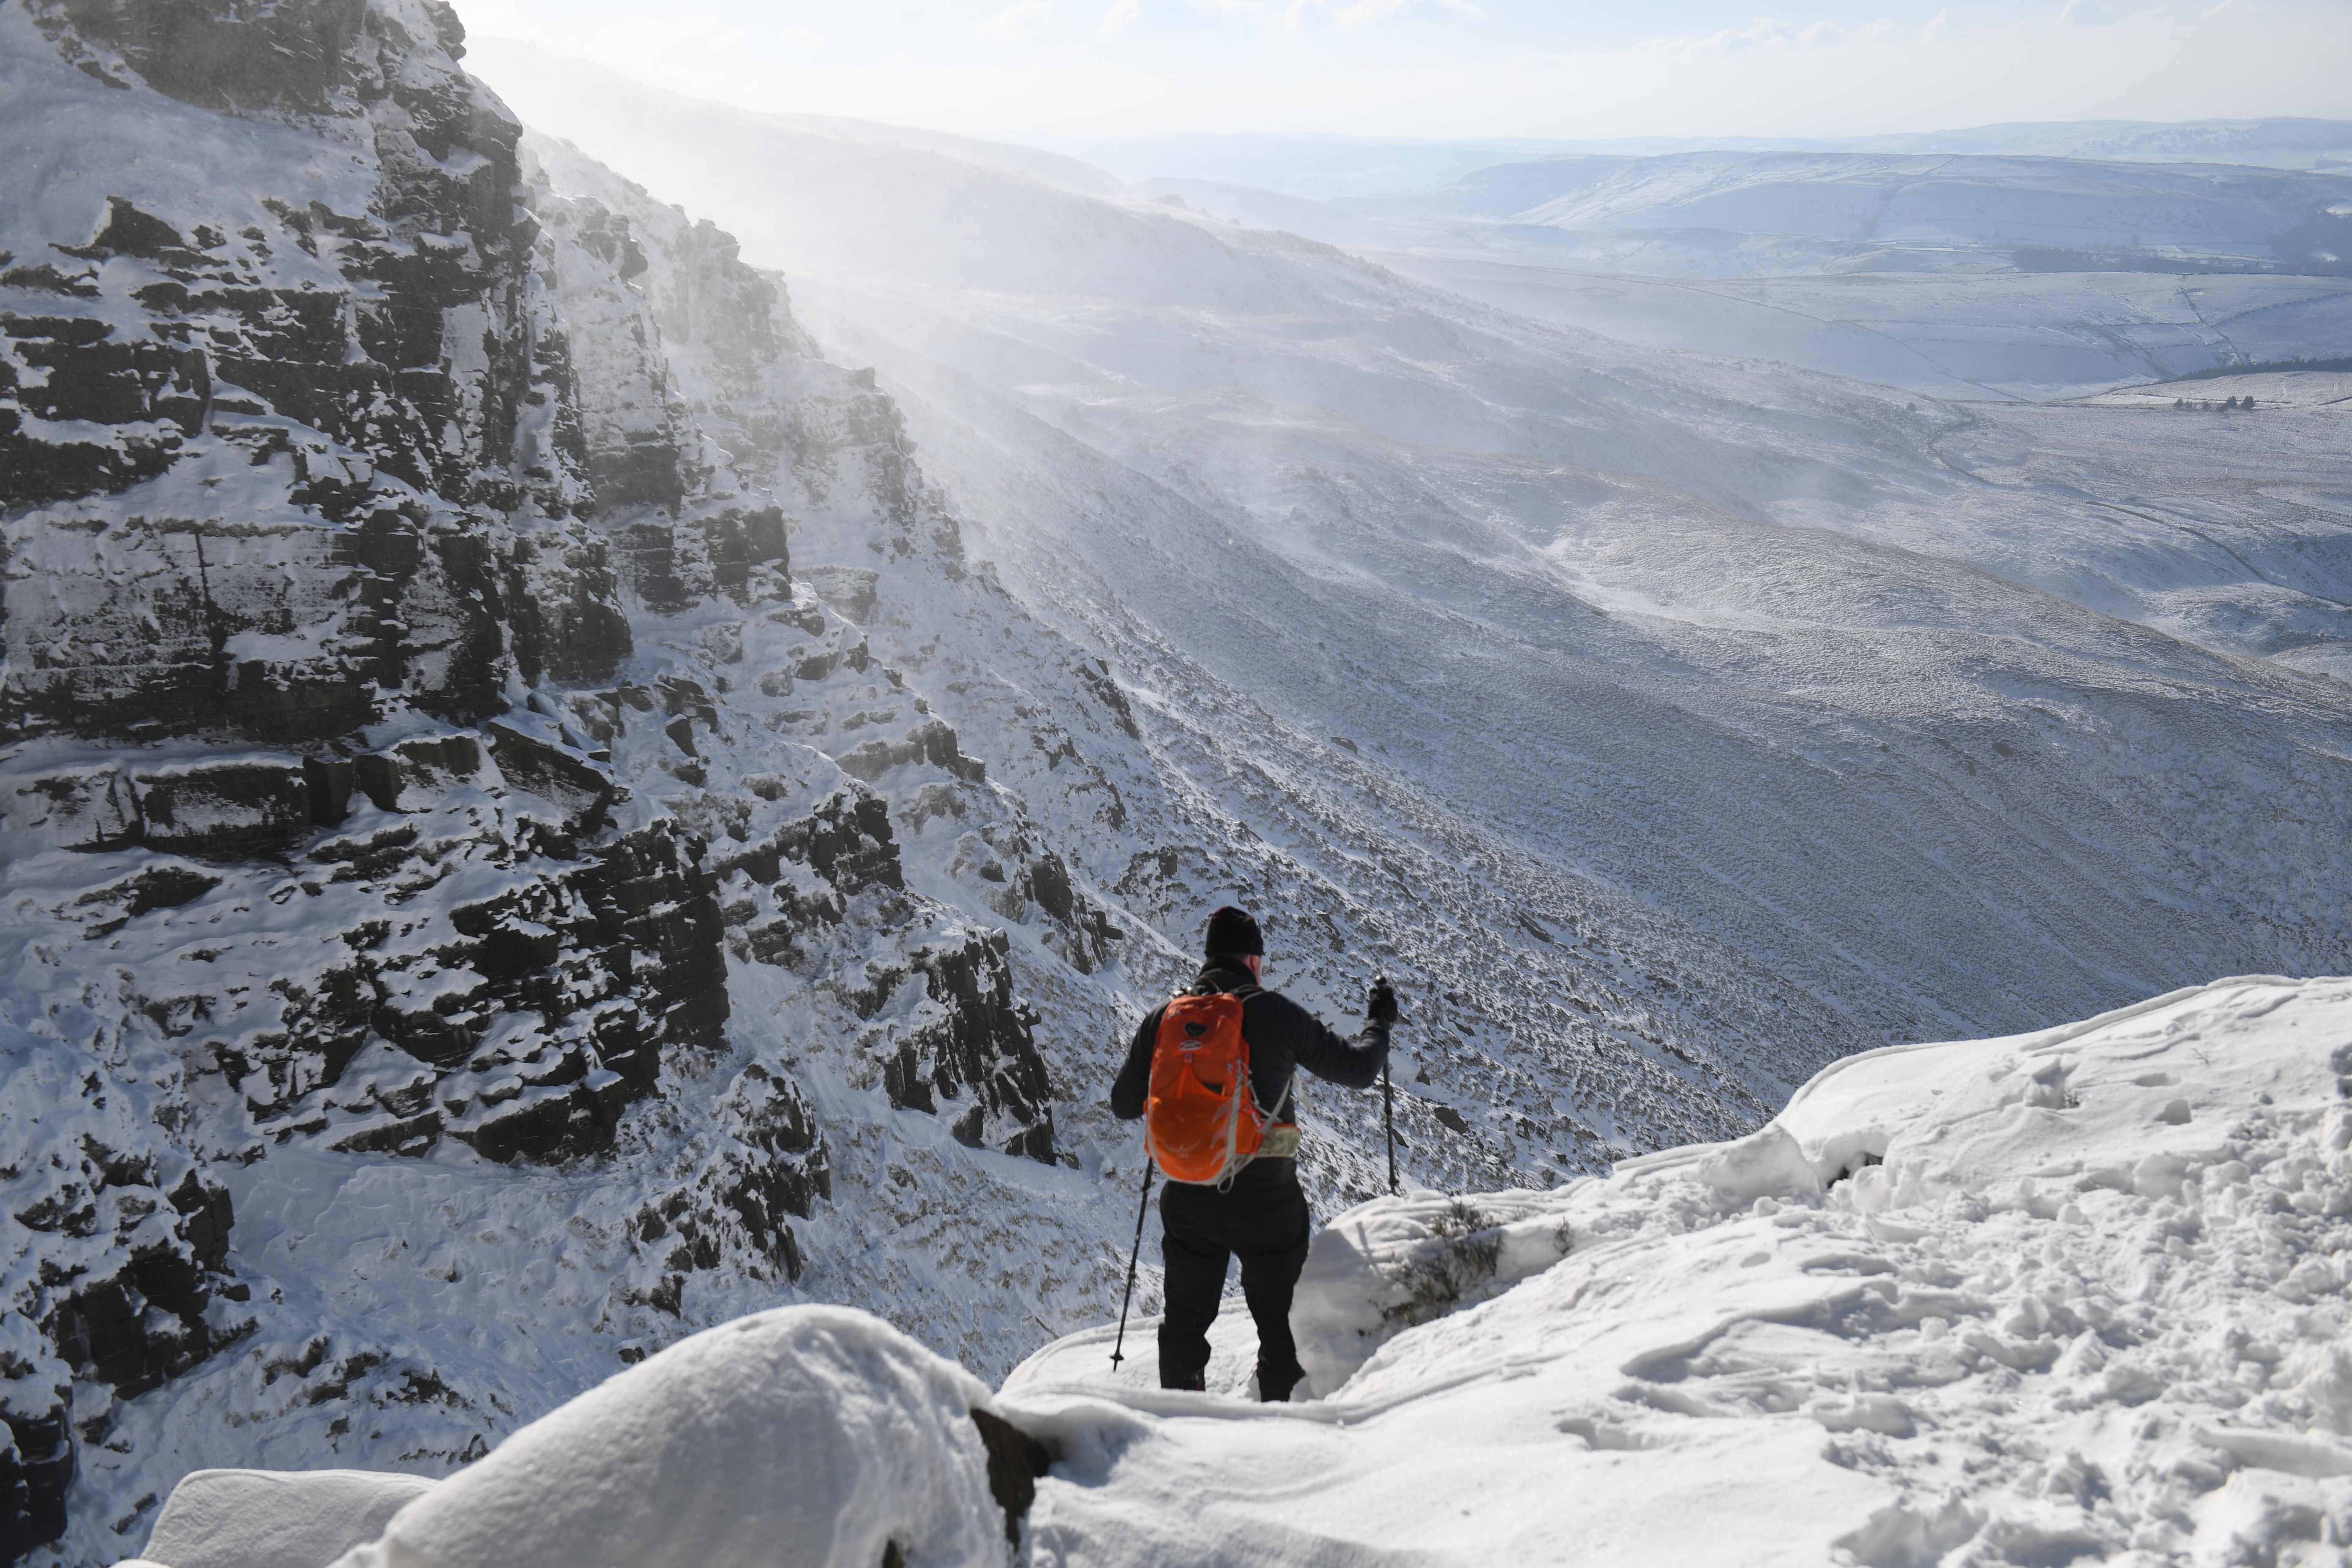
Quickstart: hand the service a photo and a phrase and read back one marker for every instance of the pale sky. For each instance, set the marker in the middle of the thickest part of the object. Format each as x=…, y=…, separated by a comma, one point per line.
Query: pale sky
x=1464, y=68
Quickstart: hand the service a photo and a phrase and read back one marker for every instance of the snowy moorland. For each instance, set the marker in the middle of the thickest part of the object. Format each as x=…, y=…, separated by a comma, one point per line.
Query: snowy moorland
x=2071, y=1296
x=1788, y=214
x=1923, y=202
x=2026, y=336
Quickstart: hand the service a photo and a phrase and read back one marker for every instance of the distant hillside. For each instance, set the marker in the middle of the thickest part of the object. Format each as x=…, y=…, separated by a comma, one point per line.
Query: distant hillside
x=1327, y=167
x=1931, y=201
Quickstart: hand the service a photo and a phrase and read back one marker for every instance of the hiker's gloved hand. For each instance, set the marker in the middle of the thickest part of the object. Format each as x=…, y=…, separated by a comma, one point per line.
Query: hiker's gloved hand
x=1381, y=1006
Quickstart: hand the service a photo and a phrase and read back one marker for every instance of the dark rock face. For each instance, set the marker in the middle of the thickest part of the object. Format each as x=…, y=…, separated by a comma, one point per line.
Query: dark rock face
x=379, y=385
x=276, y=463
x=1015, y=1462
x=932, y=742
x=520, y=1023
x=242, y=55
x=134, y=1295
x=684, y=527
x=226, y=810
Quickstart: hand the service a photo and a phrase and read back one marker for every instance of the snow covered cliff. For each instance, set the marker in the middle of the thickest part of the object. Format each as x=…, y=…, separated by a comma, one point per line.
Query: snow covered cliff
x=2070, y=1297
x=372, y=589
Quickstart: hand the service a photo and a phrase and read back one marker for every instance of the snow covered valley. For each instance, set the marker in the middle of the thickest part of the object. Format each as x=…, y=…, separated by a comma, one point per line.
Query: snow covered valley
x=574, y=770
x=2072, y=1296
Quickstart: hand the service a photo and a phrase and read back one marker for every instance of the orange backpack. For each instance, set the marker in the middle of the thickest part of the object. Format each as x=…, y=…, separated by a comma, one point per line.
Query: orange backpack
x=1202, y=1122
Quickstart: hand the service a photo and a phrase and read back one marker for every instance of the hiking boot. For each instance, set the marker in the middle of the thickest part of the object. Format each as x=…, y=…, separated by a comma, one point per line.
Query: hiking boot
x=1273, y=1385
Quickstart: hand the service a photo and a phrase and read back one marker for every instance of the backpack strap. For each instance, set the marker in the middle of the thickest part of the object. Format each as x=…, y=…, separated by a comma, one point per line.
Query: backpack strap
x=1278, y=1144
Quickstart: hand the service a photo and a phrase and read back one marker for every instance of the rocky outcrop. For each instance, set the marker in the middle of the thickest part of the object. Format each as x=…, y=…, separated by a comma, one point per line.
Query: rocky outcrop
x=967, y=1049
x=117, y=1283
x=683, y=522
x=344, y=413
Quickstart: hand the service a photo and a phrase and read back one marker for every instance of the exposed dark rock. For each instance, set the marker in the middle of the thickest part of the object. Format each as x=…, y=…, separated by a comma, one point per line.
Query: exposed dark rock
x=277, y=628
x=229, y=54
x=1104, y=686
x=36, y=1466
x=847, y=840
x=230, y=810
x=1049, y=885
x=931, y=742
x=971, y=1038
x=561, y=777
x=331, y=781
x=852, y=592
x=163, y=885
x=1016, y=1461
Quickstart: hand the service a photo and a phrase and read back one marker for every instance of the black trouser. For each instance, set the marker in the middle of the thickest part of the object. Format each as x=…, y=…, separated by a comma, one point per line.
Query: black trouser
x=1263, y=1220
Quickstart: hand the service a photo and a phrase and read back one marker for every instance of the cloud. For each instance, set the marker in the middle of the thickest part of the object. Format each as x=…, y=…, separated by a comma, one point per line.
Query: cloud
x=1291, y=17
x=1363, y=12
x=1015, y=20
x=2086, y=13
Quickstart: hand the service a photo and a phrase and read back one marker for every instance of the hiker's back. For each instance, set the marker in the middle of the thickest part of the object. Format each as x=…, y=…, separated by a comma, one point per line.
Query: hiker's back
x=1202, y=1121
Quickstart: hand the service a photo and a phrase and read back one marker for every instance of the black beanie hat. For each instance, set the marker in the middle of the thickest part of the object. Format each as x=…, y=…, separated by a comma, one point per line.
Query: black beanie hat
x=1232, y=932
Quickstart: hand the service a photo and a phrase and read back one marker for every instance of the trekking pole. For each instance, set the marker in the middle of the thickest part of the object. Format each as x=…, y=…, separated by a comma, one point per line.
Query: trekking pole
x=1141, y=1209
x=1388, y=1114
x=1388, y=1106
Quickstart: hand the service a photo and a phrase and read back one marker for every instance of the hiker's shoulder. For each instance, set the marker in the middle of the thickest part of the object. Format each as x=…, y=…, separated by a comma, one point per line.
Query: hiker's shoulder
x=1259, y=1002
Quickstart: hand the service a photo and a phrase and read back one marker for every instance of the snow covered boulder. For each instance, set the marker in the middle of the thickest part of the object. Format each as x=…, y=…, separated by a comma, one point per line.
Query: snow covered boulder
x=1397, y=1262
x=1385, y=1266
x=275, y=1518
x=1767, y=1163
x=814, y=1435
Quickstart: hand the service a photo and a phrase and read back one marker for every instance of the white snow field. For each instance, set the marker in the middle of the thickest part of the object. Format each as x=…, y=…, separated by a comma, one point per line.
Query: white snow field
x=2076, y=1296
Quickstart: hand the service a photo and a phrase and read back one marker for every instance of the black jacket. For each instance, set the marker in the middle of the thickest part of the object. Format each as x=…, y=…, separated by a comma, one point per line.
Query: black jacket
x=1283, y=1037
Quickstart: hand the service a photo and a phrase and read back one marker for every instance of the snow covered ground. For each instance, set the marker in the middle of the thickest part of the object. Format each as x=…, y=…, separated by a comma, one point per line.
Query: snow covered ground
x=1896, y=201
x=2076, y=1296
x=2268, y=389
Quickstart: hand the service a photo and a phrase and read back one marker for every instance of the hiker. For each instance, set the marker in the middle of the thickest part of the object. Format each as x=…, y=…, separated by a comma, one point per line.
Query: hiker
x=1212, y=1212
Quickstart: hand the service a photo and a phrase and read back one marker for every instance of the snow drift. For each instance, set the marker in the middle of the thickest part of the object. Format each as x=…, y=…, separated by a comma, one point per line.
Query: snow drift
x=806, y=1434
x=277, y=1519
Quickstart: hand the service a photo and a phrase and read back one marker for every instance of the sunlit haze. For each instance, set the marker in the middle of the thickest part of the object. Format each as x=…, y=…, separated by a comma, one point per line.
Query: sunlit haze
x=1451, y=68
